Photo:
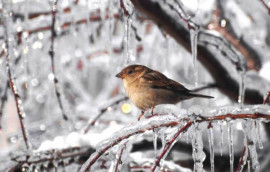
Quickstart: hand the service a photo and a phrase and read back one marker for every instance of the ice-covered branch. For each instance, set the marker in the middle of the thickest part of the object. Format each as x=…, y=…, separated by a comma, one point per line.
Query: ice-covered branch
x=120, y=156
x=169, y=144
x=241, y=161
x=125, y=134
x=205, y=115
x=11, y=77
x=267, y=98
x=223, y=25
x=125, y=11
x=102, y=111
x=266, y=5
x=52, y=54
x=48, y=159
x=223, y=75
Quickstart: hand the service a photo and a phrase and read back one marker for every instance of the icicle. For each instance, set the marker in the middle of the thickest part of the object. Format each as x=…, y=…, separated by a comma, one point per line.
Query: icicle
x=187, y=136
x=211, y=147
x=248, y=165
x=197, y=145
x=110, y=29
x=244, y=158
x=155, y=136
x=222, y=139
x=230, y=141
x=259, y=139
x=128, y=21
x=167, y=54
x=251, y=133
x=241, y=95
x=193, y=40
x=163, y=139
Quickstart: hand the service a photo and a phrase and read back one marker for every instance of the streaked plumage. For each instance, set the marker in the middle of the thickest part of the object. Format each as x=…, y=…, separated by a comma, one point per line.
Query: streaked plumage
x=147, y=88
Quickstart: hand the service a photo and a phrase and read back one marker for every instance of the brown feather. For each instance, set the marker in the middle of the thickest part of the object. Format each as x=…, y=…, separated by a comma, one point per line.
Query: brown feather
x=160, y=81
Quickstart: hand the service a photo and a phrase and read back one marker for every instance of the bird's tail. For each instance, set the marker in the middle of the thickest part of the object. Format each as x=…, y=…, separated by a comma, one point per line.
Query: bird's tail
x=200, y=95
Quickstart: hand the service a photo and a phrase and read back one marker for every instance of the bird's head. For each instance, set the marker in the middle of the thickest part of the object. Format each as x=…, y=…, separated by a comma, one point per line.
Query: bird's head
x=132, y=72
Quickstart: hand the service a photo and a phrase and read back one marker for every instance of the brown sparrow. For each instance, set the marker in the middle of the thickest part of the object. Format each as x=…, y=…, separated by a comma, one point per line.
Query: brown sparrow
x=147, y=88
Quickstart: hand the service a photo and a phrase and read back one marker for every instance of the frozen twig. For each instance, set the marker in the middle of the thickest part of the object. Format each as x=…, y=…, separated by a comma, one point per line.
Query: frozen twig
x=168, y=144
x=266, y=6
x=125, y=11
x=241, y=161
x=228, y=32
x=224, y=77
x=102, y=111
x=115, y=140
x=183, y=15
x=11, y=79
x=94, y=17
x=52, y=53
x=50, y=156
x=119, y=159
x=217, y=41
x=266, y=100
x=18, y=104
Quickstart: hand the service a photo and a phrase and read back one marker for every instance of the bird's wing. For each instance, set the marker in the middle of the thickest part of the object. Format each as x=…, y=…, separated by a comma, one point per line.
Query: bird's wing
x=159, y=81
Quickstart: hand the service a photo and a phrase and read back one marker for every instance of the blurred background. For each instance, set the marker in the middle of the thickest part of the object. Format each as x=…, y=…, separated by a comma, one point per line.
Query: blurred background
x=60, y=57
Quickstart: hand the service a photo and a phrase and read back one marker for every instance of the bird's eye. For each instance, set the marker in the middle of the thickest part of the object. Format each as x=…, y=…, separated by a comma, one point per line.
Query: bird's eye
x=130, y=72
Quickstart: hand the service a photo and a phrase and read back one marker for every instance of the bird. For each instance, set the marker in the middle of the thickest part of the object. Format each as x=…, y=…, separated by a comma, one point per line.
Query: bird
x=147, y=88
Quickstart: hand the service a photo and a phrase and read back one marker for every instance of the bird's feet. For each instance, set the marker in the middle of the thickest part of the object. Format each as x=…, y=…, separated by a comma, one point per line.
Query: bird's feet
x=141, y=115
x=152, y=110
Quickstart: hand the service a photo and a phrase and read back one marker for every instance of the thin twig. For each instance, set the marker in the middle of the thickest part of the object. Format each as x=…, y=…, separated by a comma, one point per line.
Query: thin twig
x=12, y=85
x=241, y=159
x=125, y=11
x=102, y=111
x=169, y=144
x=186, y=19
x=52, y=53
x=120, y=155
x=267, y=98
x=266, y=6
x=18, y=101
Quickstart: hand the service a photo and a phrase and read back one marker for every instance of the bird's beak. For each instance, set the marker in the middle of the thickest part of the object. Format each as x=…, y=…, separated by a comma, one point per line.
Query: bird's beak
x=119, y=75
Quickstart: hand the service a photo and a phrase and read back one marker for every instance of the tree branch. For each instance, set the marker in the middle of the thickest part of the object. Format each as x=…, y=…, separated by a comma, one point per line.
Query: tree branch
x=223, y=77
x=52, y=53
x=125, y=134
